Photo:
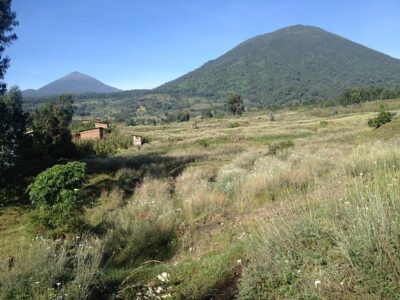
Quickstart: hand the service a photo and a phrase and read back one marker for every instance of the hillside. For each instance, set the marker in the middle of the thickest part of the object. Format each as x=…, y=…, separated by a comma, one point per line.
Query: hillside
x=73, y=83
x=294, y=63
x=304, y=207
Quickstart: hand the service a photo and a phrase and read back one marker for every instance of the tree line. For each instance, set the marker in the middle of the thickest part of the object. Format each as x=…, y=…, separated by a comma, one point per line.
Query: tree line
x=363, y=94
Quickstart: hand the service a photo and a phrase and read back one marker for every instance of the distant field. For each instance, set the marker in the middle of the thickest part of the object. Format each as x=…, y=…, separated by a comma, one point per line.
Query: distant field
x=305, y=206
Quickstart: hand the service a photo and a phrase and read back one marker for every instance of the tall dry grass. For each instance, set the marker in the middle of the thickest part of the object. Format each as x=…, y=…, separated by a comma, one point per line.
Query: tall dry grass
x=334, y=248
x=47, y=269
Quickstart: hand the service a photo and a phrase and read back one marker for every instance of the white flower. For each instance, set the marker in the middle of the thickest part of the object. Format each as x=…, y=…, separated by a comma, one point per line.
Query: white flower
x=159, y=290
x=58, y=284
x=317, y=283
x=164, y=277
x=342, y=283
x=37, y=282
x=239, y=261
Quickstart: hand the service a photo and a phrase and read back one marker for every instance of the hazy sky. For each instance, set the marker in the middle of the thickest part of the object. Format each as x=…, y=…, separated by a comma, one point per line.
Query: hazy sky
x=144, y=43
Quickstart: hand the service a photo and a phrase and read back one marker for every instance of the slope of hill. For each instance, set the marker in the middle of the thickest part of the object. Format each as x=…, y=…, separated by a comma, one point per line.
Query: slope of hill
x=293, y=63
x=73, y=83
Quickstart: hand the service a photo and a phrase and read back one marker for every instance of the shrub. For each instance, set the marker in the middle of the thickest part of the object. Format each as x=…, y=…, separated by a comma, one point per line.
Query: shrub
x=323, y=123
x=233, y=125
x=275, y=147
x=271, y=117
x=382, y=118
x=54, y=192
x=105, y=147
x=204, y=143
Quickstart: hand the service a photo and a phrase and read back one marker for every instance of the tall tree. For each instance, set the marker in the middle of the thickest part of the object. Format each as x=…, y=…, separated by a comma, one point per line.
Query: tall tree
x=7, y=23
x=234, y=104
x=50, y=124
x=12, y=126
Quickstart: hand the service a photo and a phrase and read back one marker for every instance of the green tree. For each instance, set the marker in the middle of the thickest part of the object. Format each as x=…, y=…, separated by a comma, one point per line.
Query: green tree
x=9, y=105
x=12, y=127
x=50, y=124
x=234, y=104
x=382, y=118
x=54, y=193
x=7, y=23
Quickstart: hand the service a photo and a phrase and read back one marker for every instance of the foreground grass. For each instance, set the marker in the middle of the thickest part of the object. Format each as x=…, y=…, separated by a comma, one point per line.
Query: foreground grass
x=302, y=207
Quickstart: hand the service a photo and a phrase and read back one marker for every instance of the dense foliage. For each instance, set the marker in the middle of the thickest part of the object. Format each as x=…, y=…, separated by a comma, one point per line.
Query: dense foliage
x=12, y=127
x=50, y=124
x=234, y=104
x=363, y=94
x=54, y=192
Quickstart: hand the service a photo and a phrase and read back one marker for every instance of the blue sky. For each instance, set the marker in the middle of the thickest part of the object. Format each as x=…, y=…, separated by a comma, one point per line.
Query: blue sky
x=133, y=44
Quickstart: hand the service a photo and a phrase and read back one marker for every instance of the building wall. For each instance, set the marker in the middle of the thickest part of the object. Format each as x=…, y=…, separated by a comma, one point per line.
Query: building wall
x=100, y=125
x=137, y=140
x=92, y=134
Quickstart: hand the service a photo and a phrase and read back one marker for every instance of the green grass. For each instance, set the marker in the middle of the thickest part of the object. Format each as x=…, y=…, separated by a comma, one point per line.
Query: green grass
x=194, y=202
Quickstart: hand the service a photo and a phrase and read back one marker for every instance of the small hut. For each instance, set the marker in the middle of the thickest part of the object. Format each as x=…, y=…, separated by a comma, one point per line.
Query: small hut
x=92, y=134
x=98, y=124
x=137, y=140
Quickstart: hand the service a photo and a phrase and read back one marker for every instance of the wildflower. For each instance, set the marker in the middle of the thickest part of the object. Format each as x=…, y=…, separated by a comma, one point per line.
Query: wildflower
x=342, y=283
x=317, y=283
x=164, y=277
x=58, y=284
x=239, y=261
x=37, y=282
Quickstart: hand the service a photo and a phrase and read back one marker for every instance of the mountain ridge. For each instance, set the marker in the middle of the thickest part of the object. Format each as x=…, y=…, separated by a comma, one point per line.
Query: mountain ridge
x=72, y=83
x=295, y=63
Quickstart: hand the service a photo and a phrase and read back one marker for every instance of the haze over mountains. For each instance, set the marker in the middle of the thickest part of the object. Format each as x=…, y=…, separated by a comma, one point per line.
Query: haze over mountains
x=293, y=63
x=296, y=63
x=73, y=83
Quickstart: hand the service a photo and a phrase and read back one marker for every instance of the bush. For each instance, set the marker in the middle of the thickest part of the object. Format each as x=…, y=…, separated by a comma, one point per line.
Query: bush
x=323, y=123
x=271, y=117
x=204, y=143
x=105, y=147
x=233, y=125
x=382, y=118
x=54, y=192
x=275, y=147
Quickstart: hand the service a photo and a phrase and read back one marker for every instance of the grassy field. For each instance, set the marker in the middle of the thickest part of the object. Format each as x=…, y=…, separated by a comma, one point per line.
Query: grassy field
x=305, y=206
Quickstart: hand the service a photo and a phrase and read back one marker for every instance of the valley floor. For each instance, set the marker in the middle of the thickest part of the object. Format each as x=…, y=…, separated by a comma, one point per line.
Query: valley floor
x=306, y=206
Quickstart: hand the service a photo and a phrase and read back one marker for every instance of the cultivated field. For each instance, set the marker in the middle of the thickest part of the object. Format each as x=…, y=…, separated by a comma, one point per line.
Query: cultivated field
x=305, y=206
